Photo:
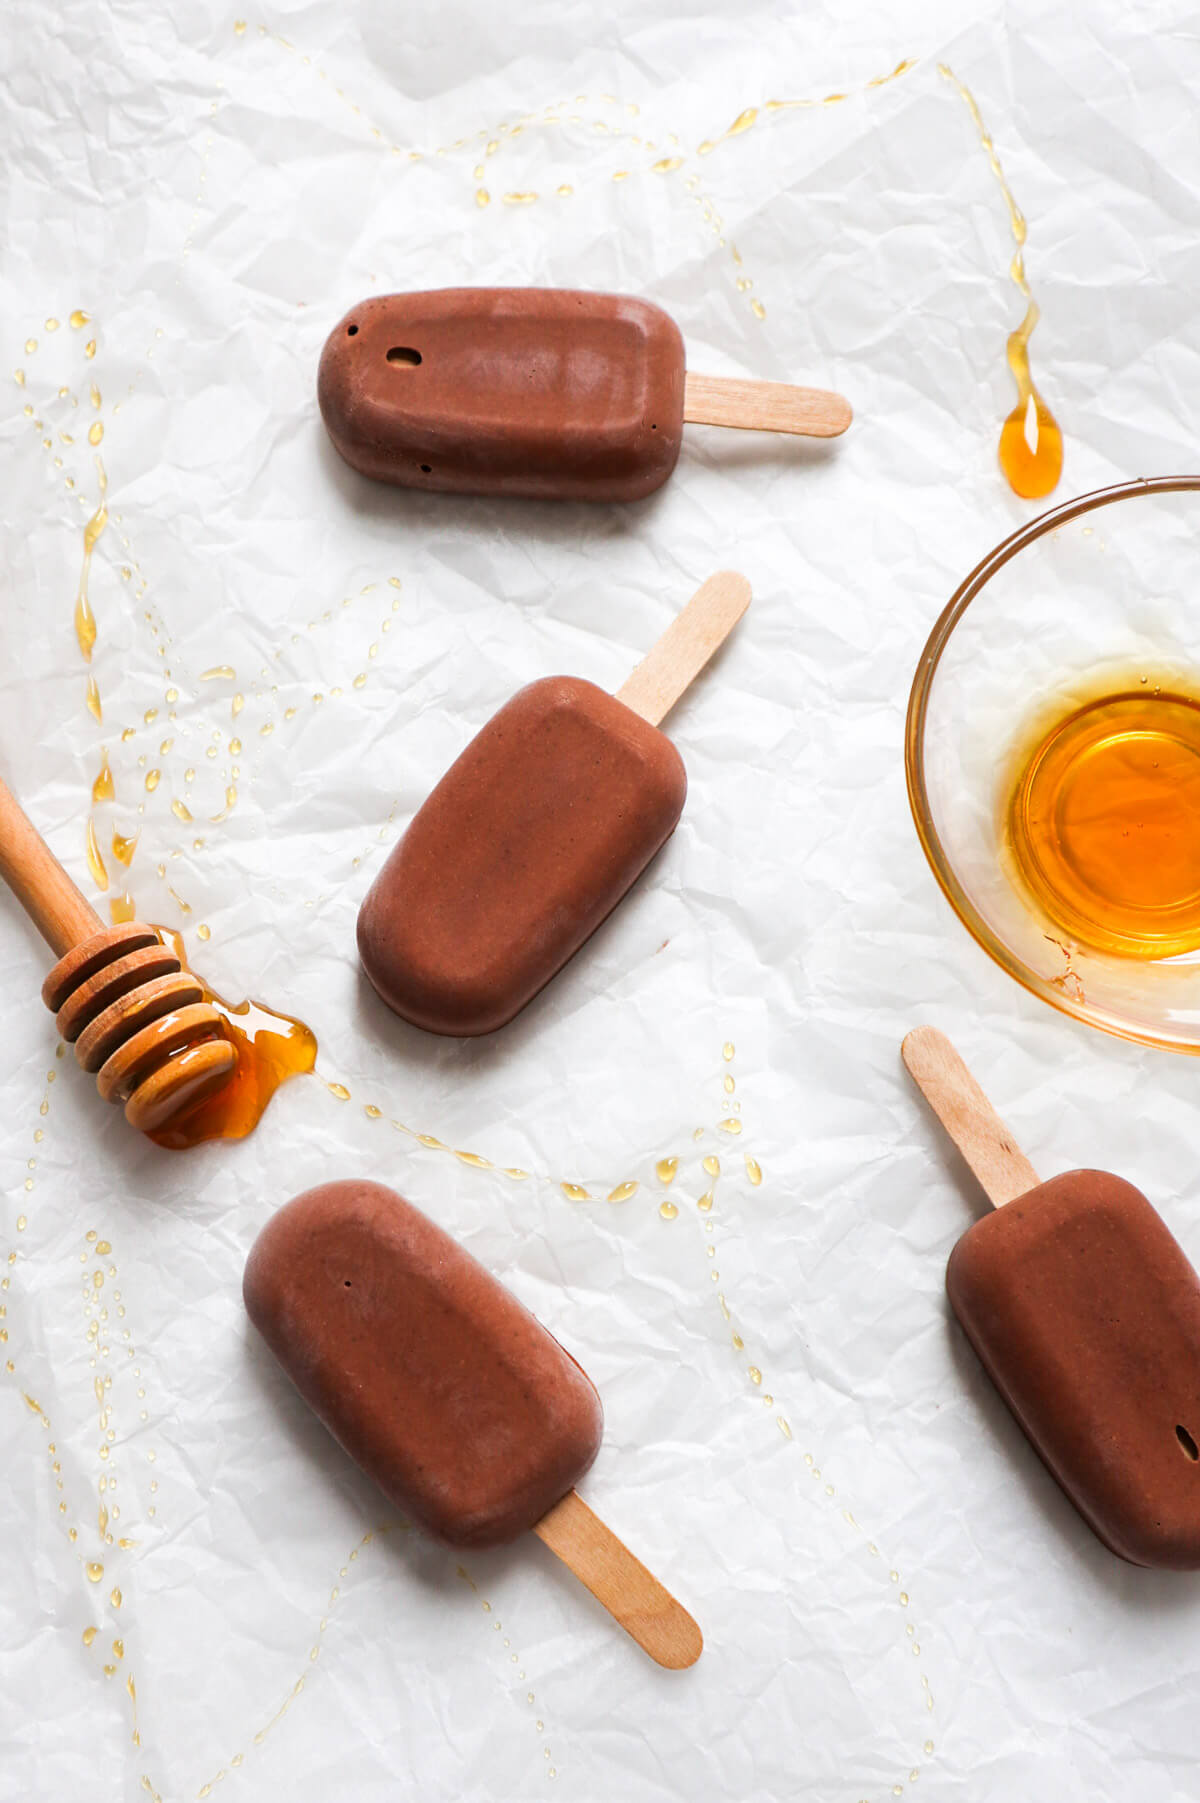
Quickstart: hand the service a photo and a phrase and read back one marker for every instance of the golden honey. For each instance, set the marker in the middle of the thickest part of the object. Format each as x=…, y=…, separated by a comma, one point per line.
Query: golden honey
x=271, y=1048
x=1102, y=817
x=1031, y=446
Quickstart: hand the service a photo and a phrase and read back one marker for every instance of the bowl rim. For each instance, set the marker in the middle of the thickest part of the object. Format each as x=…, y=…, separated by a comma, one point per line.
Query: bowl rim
x=914, y=756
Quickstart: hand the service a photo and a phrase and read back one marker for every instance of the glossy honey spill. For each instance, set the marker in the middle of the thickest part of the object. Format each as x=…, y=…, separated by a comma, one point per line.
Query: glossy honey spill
x=271, y=1047
x=1031, y=446
x=1102, y=818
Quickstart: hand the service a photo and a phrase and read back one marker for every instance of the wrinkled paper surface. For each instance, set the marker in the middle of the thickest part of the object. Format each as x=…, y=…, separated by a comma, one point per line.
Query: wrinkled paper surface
x=892, y=1591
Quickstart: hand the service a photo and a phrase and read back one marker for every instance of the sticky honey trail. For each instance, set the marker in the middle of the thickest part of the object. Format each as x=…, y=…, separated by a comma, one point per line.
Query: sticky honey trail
x=1031, y=446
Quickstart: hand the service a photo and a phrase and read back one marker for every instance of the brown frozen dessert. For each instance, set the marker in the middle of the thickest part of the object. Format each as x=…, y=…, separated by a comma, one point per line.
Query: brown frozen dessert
x=433, y=1377
x=1086, y=1314
x=546, y=392
x=530, y=839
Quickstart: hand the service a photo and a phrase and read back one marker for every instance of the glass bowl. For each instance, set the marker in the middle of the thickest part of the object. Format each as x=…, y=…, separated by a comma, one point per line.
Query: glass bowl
x=1109, y=579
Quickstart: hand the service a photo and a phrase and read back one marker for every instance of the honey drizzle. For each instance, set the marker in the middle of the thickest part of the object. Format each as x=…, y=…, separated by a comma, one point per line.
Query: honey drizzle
x=1031, y=447
x=514, y=1658
x=707, y=1210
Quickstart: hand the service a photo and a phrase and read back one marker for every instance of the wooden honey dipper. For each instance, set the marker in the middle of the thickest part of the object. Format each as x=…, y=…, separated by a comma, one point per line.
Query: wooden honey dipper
x=136, y=1018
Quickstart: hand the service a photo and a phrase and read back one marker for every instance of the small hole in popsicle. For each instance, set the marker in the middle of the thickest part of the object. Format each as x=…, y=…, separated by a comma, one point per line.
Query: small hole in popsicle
x=1186, y=1442
x=404, y=354
x=347, y=1283
x=427, y=469
x=350, y=331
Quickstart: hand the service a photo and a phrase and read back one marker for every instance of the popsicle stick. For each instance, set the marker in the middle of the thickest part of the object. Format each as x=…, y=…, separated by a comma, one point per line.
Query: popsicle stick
x=633, y=1597
x=686, y=646
x=764, y=406
x=60, y=913
x=968, y=1117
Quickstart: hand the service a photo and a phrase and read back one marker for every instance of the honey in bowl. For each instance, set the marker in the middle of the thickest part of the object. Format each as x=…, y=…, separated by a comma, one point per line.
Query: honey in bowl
x=1102, y=815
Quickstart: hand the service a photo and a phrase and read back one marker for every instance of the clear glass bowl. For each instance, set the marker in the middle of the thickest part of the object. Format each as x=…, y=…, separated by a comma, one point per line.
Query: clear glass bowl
x=1112, y=578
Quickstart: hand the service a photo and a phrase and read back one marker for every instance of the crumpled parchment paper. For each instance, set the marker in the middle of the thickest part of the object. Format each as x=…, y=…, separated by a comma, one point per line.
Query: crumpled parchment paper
x=893, y=1593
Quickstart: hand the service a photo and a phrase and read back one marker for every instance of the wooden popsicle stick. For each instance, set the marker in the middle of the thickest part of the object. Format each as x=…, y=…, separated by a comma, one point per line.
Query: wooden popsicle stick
x=633, y=1596
x=764, y=406
x=968, y=1117
x=686, y=646
x=60, y=913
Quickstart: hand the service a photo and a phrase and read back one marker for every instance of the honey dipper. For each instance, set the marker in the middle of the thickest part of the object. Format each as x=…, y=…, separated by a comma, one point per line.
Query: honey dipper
x=136, y=1018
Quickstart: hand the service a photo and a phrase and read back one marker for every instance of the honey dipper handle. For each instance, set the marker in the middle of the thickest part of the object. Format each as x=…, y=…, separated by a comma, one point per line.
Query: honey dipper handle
x=633, y=1597
x=60, y=913
x=686, y=646
x=968, y=1117
x=764, y=406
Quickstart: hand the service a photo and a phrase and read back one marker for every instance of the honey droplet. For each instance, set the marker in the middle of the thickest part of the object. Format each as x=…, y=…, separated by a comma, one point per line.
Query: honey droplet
x=575, y=1192
x=339, y=1090
x=52, y=325
x=30, y=346
x=730, y=1125
x=94, y=527
x=118, y=1649
x=181, y=811
x=753, y=1170
x=665, y=1170
x=89, y=349
x=623, y=1192
x=712, y=1166
x=103, y=789
x=123, y=848
x=223, y=672
x=94, y=397
x=482, y=198
x=668, y=1210
x=153, y=778
x=95, y=1571
x=93, y=698
x=115, y=1597
x=665, y=165
x=89, y=1635
x=94, y=861
x=121, y=908
x=704, y=1203
x=1031, y=447
x=85, y=626
x=79, y=319
x=727, y=1051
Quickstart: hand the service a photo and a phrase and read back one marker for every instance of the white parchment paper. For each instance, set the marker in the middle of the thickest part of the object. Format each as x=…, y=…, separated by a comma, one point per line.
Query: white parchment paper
x=893, y=1593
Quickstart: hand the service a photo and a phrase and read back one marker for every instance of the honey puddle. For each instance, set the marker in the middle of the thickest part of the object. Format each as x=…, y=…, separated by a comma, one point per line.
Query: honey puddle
x=1102, y=815
x=271, y=1048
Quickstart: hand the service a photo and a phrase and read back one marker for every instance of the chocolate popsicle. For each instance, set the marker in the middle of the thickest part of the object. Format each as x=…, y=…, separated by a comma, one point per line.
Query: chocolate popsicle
x=545, y=392
x=534, y=835
x=446, y=1391
x=1085, y=1313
